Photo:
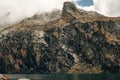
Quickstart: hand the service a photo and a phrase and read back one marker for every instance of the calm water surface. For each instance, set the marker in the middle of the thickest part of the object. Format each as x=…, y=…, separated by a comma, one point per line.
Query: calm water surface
x=66, y=76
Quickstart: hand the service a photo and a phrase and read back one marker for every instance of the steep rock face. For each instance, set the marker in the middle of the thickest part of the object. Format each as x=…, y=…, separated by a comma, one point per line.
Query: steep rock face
x=62, y=42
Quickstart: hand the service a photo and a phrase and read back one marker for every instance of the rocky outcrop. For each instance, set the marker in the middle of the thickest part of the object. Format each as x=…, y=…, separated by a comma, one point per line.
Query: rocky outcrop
x=62, y=43
x=85, y=68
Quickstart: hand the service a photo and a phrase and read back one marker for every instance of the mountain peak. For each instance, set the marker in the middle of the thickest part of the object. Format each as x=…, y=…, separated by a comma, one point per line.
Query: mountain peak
x=68, y=9
x=51, y=43
x=69, y=6
x=70, y=12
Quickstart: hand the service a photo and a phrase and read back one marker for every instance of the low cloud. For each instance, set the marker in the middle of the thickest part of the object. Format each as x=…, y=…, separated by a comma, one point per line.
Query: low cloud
x=107, y=7
x=15, y=10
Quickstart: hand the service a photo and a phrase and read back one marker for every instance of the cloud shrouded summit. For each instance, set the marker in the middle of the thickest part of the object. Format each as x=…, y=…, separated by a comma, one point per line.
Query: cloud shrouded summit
x=16, y=10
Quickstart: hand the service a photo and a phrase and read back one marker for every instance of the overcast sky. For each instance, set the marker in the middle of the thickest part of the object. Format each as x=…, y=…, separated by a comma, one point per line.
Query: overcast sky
x=16, y=10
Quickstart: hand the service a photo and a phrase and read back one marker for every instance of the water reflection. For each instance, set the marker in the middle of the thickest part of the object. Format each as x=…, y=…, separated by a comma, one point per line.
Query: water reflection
x=66, y=76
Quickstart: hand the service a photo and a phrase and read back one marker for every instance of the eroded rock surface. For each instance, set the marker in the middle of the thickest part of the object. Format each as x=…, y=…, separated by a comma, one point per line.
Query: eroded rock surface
x=62, y=42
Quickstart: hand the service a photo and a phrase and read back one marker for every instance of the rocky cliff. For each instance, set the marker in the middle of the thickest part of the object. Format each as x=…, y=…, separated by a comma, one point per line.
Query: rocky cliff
x=71, y=40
